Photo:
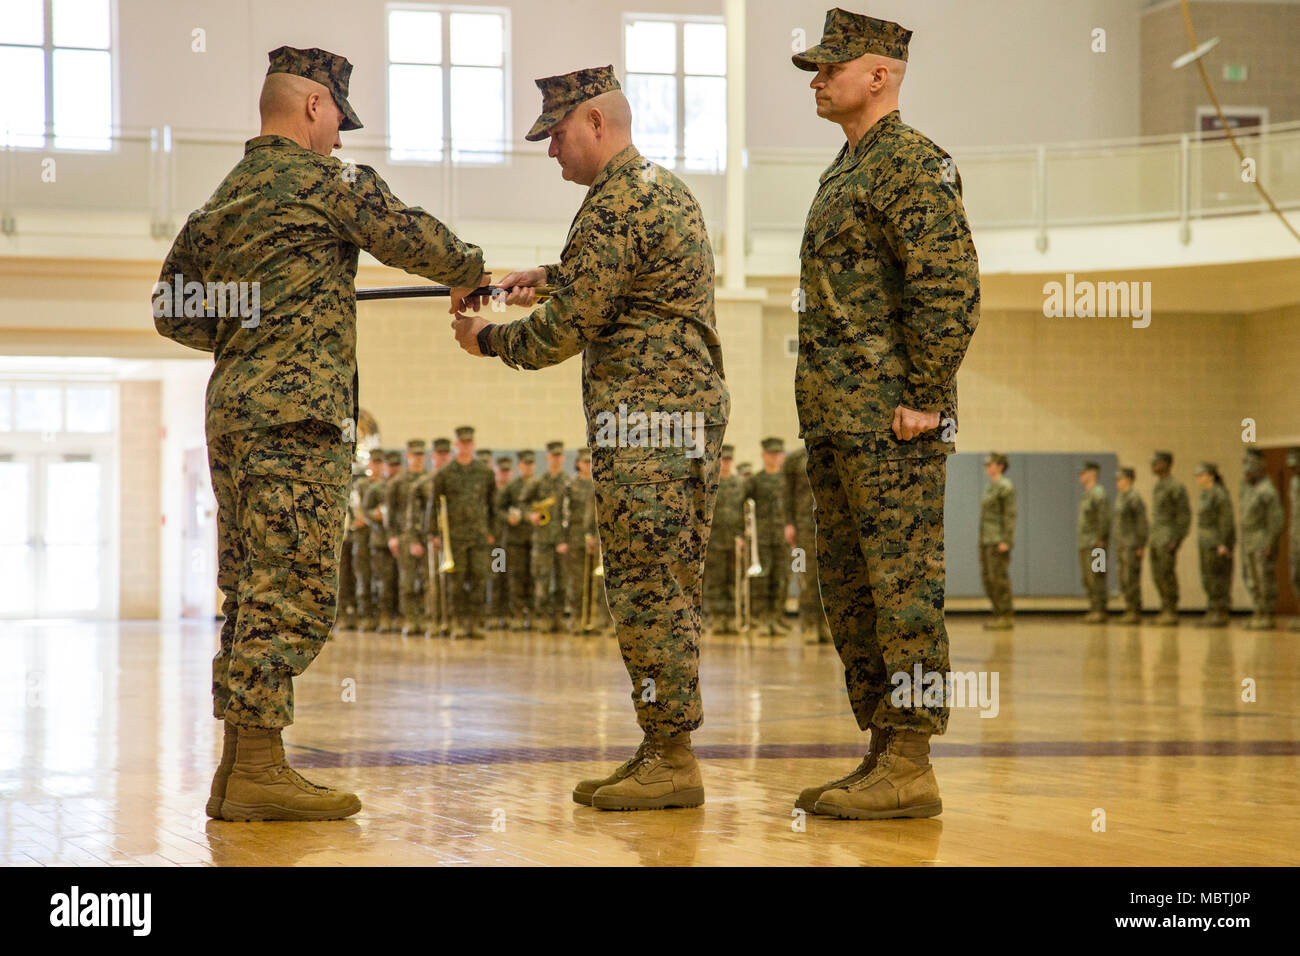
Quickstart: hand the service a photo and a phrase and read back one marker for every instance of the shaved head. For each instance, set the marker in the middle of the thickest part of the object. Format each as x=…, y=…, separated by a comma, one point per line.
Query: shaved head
x=857, y=92
x=302, y=110
x=591, y=135
x=615, y=108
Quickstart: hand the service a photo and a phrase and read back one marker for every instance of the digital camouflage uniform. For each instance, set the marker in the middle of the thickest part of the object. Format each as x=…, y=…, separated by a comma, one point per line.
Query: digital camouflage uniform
x=1131, y=532
x=519, y=551
x=361, y=566
x=997, y=526
x=581, y=517
x=799, y=512
x=547, y=563
x=1215, y=528
x=720, y=562
x=768, y=590
x=499, y=580
x=470, y=490
x=1171, y=520
x=347, y=603
x=282, y=390
x=412, y=569
x=1092, y=530
x=891, y=281
x=1262, y=521
x=383, y=565
x=633, y=293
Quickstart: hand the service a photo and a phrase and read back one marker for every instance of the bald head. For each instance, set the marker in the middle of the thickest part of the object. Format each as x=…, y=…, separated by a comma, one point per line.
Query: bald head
x=856, y=93
x=302, y=110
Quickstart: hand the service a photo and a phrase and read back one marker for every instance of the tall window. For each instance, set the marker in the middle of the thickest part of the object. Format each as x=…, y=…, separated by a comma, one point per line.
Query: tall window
x=447, y=83
x=677, y=85
x=56, y=74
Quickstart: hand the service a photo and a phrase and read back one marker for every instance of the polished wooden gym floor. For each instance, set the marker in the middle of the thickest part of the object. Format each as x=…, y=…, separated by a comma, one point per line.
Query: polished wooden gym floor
x=465, y=752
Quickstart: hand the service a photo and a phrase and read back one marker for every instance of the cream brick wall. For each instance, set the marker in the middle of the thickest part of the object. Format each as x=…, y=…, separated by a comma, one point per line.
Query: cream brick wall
x=141, y=501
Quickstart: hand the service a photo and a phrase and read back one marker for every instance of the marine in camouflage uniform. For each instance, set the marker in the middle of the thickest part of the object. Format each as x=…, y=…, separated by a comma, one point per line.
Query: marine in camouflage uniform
x=364, y=578
x=767, y=490
x=801, y=533
x=347, y=615
x=383, y=564
x=1092, y=531
x=418, y=502
x=404, y=539
x=890, y=285
x=498, y=581
x=1262, y=521
x=470, y=491
x=720, y=562
x=549, y=536
x=1130, y=539
x=997, y=537
x=633, y=293
x=519, y=544
x=1293, y=489
x=1171, y=520
x=584, y=540
x=293, y=220
x=1216, y=536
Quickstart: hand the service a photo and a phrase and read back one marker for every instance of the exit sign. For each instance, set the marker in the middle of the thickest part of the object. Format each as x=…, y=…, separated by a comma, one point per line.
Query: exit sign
x=1234, y=72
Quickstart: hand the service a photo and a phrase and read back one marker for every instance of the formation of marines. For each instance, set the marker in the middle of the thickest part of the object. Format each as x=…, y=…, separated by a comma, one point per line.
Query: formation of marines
x=1126, y=535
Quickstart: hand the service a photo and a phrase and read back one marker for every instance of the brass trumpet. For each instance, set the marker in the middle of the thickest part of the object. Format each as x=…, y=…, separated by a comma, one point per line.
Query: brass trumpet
x=543, y=510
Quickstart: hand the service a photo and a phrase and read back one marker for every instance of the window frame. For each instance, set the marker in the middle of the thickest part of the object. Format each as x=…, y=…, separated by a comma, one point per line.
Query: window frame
x=679, y=20
x=447, y=150
x=49, y=134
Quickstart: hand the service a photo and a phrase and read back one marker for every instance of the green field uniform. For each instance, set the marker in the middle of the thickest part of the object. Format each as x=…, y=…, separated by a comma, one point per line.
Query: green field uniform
x=1093, y=531
x=1262, y=521
x=470, y=492
x=1216, y=528
x=769, y=589
x=997, y=526
x=799, y=512
x=361, y=565
x=1131, y=533
x=383, y=565
x=519, y=551
x=412, y=570
x=720, y=563
x=283, y=388
x=548, y=565
x=1171, y=519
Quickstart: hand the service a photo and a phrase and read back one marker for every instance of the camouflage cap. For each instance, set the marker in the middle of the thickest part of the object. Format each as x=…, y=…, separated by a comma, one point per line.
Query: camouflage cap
x=416, y=446
x=1293, y=458
x=526, y=458
x=773, y=444
x=358, y=470
x=1128, y=473
x=584, y=454
x=393, y=456
x=847, y=36
x=465, y=433
x=1207, y=468
x=442, y=444
x=327, y=69
x=1089, y=466
x=745, y=467
x=554, y=447
x=995, y=458
x=1252, y=458
x=561, y=94
x=505, y=461
x=728, y=451
x=1164, y=456
x=484, y=454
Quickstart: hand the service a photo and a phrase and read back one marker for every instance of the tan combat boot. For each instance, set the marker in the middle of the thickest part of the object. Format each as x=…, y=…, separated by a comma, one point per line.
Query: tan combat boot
x=223, y=772
x=1262, y=622
x=262, y=786
x=585, y=788
x=1131, y=616
x=1095, y=617
x=808, y=797
x=902, y=784
x=668, y=775
x=1168, y=617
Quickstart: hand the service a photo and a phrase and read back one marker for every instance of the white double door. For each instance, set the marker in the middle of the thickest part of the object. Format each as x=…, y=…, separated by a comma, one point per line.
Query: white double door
x=57, y=531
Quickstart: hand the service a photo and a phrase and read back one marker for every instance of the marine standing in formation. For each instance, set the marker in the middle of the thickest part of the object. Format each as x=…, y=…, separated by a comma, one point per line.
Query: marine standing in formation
x=383, y=564
x=890, y=282
x=1130, y=539
x=583, y=538
x=1216, y=536
x=498, y=580
x=1261, y=535
x=469, y=490
x=1171, y=519
x=720, y=563
x=543, y=502
x=997, y=536
x=801, y=533
x=519, y=544
x=283, y=389
x=404, y=539
x=361, y=542
x=347, y=614
x=633, y=294
x=767, y=490
x=1092, y=533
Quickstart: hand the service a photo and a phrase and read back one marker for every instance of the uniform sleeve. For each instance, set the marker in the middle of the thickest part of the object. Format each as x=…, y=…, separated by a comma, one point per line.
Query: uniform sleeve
x=594, y=277
x=929, y=236
x=1009, y=516
x=195, y=332
x=406, y=237
x=1142, y=530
